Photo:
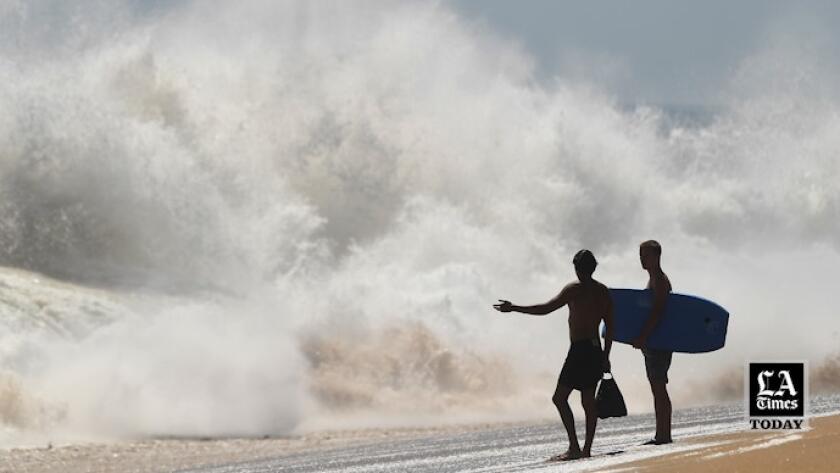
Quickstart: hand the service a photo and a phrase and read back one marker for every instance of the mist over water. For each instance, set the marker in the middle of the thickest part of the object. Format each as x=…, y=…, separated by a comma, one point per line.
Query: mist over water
x=272, y=216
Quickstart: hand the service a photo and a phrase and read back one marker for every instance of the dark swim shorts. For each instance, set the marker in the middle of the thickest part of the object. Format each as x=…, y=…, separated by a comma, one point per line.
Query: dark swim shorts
x=657, y=363
x=584, y=365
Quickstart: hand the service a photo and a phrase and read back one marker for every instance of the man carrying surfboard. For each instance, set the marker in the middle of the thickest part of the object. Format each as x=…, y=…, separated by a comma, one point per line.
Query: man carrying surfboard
x=657, y=362
x=589, y=302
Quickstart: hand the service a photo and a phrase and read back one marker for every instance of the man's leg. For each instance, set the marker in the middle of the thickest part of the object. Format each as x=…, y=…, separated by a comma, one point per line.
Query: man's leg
x=587, y=398
x=662, y=407
x=561, y=400
x=657, y=364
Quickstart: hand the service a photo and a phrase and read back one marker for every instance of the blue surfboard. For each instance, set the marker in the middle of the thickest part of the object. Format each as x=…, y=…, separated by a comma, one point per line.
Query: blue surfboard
x=690, y=324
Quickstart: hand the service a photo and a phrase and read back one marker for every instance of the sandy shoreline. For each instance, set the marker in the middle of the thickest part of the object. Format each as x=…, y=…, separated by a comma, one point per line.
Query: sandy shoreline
x=814, y=450
x=167, y=455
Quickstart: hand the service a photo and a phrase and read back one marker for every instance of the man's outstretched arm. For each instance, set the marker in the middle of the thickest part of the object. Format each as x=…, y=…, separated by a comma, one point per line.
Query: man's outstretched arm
x=540, y=309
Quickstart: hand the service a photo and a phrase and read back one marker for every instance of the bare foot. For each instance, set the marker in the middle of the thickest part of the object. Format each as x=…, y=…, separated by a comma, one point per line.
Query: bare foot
x=568, y=456
x=655, y=441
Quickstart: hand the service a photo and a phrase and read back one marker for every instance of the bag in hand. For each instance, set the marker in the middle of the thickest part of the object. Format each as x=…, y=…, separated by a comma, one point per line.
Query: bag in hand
x=609, y=401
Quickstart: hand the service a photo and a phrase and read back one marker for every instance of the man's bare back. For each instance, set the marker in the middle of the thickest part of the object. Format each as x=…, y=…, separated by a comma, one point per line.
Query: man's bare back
x=589, y=303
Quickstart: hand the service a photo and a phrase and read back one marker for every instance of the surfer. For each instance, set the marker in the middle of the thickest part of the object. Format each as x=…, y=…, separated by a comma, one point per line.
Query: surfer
x=589, y=303
x=657, y=362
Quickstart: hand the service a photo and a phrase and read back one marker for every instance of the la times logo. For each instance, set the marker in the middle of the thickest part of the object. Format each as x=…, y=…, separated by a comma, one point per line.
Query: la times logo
x=777, y=395
x=767, y=400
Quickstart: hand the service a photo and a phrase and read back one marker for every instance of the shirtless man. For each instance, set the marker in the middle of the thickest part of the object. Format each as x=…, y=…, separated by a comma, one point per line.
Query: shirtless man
x=657, y=362
x=589, y=303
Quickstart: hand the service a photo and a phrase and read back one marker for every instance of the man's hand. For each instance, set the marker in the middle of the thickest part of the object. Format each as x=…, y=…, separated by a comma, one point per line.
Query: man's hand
x=640, y=342
x=503, y=306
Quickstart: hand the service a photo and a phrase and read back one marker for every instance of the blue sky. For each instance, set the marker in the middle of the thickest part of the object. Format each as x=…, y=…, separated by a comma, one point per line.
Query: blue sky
x=655, y=51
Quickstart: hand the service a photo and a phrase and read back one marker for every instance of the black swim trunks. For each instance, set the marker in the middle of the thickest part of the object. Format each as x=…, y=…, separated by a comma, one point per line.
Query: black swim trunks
x=657, y=363
x=584, y=365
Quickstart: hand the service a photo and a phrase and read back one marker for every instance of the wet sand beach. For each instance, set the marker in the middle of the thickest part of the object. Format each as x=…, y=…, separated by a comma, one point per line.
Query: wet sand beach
x=707, y=438
x=168, y=455
x=814, y=450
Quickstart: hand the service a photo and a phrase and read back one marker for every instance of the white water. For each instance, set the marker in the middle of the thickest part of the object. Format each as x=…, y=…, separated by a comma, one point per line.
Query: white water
x=246, y=182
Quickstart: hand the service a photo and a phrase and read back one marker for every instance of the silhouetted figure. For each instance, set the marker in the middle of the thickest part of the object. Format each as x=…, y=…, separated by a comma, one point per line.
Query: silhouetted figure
x=657, y=362
x=589, y=303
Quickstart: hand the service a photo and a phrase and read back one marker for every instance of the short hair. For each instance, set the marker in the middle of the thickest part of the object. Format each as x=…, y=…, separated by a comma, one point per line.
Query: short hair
x=653, y=246
x=585, y=262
